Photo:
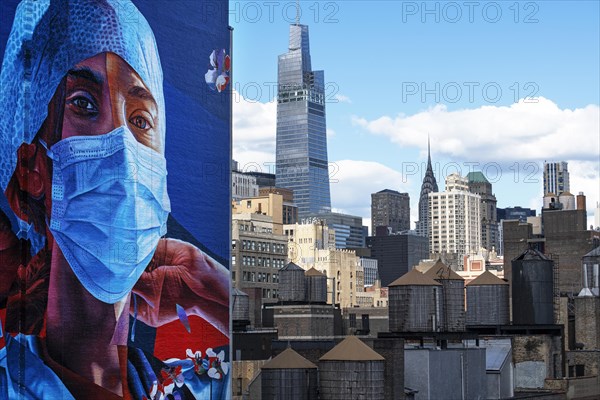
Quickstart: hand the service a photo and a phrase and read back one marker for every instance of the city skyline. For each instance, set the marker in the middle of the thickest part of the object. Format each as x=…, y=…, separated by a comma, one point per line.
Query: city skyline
x=377, y=130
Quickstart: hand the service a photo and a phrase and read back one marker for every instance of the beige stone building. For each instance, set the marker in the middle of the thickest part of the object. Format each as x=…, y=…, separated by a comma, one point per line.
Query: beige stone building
x=312, y=245
x=257, y=254
x=373, y=296
x=271, y=205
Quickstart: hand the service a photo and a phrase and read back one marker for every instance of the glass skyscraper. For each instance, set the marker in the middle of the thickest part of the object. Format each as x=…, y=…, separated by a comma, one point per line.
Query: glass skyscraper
x=301, y=154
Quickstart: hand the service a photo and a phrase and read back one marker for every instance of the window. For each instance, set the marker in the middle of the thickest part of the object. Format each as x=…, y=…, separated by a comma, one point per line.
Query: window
x=576, y=370
x=239, y=386
x=352, y=318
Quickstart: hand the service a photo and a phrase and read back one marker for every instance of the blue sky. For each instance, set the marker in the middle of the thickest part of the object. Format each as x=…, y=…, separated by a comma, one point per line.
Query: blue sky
x=499, y=86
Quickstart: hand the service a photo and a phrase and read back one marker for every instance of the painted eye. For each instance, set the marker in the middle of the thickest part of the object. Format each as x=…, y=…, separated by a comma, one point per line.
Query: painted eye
x=84, y=104
x=140, y=122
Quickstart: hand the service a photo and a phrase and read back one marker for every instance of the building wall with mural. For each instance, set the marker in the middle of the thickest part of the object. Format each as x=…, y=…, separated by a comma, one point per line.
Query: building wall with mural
x=115, y=124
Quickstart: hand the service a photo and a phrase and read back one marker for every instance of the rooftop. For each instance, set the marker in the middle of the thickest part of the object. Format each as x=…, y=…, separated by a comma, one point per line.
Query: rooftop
x=313, y=272
x=594, y=253
x=487, y=278
x=389, y=191
x=531, y=254
x=292, y=267
x=414, y=278
x=351, y=349
x=477, y=176
x=289, y=359
x=439, y=270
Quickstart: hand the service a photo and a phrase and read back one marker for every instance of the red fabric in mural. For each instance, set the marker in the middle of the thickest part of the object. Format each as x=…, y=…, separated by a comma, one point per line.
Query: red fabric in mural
x=173, y=339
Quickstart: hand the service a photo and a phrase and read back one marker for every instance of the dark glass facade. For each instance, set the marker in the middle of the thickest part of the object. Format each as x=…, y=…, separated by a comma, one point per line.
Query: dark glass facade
x=301, y=153
x=397, y=254
x=349, y=233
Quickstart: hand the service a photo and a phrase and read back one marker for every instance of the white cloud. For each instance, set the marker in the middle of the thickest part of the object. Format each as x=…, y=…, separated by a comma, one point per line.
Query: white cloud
x=521, y=131
x=367, y=223
x=254, y=127
x=342, y=99
x=584, y=176
x=352, y=183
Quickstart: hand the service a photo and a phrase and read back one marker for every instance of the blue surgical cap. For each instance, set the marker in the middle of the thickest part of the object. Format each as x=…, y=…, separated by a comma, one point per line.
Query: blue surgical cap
x=47, y=39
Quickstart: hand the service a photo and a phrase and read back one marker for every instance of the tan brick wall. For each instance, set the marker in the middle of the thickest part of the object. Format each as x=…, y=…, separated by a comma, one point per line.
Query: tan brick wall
x=245, y=371
x=587, y=322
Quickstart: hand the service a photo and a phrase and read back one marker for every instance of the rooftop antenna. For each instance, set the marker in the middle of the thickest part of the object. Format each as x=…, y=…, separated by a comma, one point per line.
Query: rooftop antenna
x=297, y=12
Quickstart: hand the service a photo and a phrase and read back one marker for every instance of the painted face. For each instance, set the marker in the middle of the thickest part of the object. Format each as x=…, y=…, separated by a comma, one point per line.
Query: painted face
x=104, y=93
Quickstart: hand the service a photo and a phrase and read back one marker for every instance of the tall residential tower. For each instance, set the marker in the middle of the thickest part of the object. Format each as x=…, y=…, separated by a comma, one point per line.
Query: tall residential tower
x=301, y=153
x=455, y=219
x=556, y=177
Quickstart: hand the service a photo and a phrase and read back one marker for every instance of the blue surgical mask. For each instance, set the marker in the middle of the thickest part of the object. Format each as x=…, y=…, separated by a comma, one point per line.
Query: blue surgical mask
x=109, y=209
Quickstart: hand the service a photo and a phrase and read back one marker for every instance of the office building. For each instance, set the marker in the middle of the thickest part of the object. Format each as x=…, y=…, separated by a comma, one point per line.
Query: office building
x=271, y=205
x=391, y=209
x=518, y=213
x=563, y=236
x=290, y=211
x=556, y=177
x=263, y=179
x=301, y=141
x=370, y=270
x=257, y=255
x=348, y=229
x=243, y=185
x=312, y=245
x=397, y=254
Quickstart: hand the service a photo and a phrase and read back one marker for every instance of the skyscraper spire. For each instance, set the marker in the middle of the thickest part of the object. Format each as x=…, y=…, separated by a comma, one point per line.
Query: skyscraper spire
x=428, y=153
x=429, y=185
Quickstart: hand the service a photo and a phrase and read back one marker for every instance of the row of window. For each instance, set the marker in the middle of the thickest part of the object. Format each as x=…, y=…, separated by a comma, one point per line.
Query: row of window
x=250, y=261
x=261, y=277
x=265, y=247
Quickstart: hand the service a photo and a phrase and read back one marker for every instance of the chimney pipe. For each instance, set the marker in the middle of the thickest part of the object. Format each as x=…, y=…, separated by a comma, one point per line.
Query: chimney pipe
x=596, y=289
x=585, y=292
x=581, y=201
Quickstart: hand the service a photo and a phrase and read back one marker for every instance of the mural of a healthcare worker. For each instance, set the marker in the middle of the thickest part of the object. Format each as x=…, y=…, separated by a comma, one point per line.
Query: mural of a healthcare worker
x=99, y=297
